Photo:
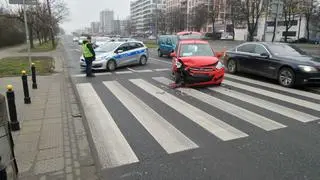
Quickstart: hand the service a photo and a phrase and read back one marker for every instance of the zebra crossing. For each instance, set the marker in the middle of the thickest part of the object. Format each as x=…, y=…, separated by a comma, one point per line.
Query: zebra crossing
x=115, y=150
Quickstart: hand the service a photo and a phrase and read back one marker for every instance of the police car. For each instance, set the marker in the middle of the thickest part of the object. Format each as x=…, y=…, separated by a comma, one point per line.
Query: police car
x=112, y=55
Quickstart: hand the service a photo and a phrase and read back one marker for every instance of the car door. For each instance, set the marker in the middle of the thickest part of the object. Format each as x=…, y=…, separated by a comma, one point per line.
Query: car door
x=244, y=57
x=261, y=61
x=122, y=56
x=133, y=53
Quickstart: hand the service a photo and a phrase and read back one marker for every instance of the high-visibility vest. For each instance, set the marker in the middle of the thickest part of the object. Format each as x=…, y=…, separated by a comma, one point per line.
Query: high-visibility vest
x=86, y=51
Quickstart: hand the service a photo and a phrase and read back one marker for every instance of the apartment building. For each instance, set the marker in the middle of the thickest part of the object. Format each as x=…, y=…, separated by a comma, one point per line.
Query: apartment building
x=143, y=14
x=95, y=27
x=107, y=21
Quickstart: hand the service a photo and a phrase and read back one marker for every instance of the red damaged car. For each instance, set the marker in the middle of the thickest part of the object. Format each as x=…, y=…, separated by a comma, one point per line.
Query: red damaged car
x=195, y=63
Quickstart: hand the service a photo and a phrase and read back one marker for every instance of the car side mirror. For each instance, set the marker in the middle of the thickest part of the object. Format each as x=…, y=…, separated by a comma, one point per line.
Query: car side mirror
x=265, y=55
x=173, y=54
x=119, y=51
x=219, y=55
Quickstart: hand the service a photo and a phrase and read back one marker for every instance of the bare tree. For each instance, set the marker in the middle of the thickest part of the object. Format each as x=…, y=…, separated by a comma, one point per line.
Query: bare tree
x=176, y=20
x=199, y=16
x=236, y=16
x=290, y=10
x=307, y=8
x=161, y=20
x=252, y=10
x=213, y=13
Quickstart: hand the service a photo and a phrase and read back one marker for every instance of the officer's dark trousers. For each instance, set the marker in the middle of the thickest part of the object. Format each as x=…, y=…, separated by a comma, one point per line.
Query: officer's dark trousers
x=89, y=66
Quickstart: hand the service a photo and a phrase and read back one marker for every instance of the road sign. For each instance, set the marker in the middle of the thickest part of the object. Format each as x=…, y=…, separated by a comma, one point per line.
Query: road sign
x=276, y=8
x=27, y=2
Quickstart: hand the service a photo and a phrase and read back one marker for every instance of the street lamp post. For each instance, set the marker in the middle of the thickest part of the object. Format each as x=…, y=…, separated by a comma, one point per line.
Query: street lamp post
x=25, y=3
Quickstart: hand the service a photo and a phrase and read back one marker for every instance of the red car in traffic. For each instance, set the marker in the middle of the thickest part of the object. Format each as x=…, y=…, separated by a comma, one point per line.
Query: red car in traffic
x=195, y=64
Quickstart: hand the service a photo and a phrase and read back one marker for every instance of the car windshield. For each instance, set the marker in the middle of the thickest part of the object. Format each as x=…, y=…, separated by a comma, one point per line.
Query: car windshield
x=285, y=50
x=188, y=50
x=108, y=47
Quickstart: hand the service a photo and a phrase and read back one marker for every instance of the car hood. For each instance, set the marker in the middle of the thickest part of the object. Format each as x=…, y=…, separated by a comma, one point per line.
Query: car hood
x=308, y=60
x=196, y=61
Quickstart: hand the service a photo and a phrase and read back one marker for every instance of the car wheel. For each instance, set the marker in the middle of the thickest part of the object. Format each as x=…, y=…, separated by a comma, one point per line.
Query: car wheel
x=286, y=77
x=232, y=66
x=143, y=60
x=159, y=53
x=111, y=66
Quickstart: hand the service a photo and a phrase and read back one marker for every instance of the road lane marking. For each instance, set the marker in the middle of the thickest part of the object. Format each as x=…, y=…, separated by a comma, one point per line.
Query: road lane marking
x=163, y=69
x=239, y=112
x=285, y=111
x=123, y=72
x=97, y=74
x=274, y=95
x=163, y=61
x=112, y=147
x=277, y=87
x=140, y=71
x=170, y=138
x=215, y=126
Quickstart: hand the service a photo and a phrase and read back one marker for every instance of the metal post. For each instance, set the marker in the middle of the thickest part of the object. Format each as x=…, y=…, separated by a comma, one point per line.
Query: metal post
x=27, y=31
x=156, y=25
x=24, y=78
x=277, y=17
x=34, y=79
x=265, y=21
x=14, y=123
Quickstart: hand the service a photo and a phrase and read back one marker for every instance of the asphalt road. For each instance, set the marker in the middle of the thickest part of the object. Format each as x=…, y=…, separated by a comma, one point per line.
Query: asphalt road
x=247, y=129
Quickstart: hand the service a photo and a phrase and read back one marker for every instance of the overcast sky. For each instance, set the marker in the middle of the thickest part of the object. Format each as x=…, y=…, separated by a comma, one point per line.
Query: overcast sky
x=82, y=12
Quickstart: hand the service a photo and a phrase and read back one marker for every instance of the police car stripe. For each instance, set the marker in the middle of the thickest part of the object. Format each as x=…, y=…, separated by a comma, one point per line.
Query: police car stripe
x=215, y=126
x=170, y=138
x=112, y=147
x=248, y=116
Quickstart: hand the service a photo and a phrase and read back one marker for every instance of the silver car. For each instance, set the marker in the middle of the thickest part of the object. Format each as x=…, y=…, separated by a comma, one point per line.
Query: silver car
x=112, y=55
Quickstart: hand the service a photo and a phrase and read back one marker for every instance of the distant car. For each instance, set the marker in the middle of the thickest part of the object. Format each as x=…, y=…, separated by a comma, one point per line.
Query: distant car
x=167, y=44
x=195, y=63
x=117, y=54
x=284, y=62
x=75, y=39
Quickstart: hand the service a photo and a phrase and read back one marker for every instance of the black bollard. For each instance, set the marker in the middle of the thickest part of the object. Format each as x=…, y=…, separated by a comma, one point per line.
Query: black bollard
x=14, y=123
x=24, y=78
x=3, y=171
x=34, y=79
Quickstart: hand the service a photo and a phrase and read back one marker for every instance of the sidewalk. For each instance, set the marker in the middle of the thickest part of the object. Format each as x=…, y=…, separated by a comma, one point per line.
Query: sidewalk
x=52, y=142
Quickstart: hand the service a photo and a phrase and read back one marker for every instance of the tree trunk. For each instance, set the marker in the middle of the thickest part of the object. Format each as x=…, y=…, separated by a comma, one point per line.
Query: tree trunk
x=274, y=30
x=308, y=28
x=31, y=37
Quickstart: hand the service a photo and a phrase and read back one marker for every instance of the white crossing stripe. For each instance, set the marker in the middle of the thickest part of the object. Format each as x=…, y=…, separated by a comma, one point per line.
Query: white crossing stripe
x=123, y=72
x=285, y=111
x=274, y=95
x=215, y=126
x=113, y=149
x=163, y=69
x=170, y=138
x=248, y=116
x=97, y=74
x=140, y=71
x=162, y=61
x=277, y=87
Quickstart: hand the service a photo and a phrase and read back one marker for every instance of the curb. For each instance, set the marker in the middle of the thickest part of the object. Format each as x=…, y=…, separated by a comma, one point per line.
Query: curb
x=93, y=149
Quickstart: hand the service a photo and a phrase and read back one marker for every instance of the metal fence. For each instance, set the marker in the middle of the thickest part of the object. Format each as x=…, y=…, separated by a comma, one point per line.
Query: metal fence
x=8, y=165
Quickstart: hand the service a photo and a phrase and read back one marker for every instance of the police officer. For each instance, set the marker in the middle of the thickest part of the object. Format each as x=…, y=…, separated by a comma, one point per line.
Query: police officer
x=89, y=55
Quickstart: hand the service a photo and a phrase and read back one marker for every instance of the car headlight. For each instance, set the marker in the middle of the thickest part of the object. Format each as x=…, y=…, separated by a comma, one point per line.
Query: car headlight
x=178, y=64
x=307, y=68
x=219, y=65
